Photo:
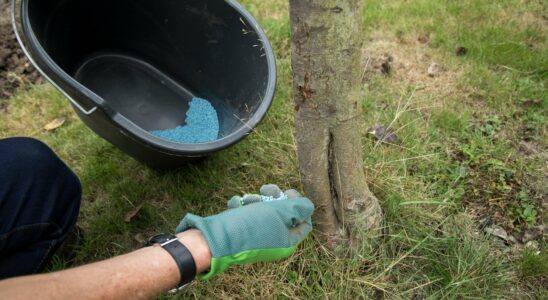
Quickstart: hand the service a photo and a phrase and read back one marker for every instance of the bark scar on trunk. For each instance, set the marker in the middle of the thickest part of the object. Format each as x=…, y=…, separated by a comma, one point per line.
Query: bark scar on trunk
x=305, y=90
x=331, y=169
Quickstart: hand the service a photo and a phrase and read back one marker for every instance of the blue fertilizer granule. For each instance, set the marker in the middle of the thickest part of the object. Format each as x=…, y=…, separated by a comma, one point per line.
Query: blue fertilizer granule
x=282, y=196
x=202, y=125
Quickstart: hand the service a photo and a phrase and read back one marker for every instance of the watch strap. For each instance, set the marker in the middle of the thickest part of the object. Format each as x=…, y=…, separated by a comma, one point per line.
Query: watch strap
x=184, y=259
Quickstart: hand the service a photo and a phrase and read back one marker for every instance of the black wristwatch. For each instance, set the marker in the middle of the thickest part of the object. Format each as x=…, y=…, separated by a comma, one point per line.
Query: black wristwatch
x=183, y=258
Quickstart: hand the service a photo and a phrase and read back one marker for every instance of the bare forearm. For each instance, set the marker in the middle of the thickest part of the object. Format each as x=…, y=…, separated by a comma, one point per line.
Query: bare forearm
x=140, y=274
x=137, y=275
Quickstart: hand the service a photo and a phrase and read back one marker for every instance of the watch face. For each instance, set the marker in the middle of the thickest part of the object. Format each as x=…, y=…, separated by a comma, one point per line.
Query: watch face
x=160, y=238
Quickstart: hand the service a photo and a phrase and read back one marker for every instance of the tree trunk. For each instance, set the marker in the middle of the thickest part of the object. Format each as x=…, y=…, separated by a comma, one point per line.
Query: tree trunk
x=326, y=50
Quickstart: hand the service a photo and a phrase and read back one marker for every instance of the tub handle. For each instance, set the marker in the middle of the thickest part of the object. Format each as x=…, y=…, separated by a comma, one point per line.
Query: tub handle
x=27, y=54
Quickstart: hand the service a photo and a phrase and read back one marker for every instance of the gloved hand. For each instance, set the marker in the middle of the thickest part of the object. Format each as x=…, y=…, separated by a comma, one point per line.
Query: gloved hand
x=256, y=231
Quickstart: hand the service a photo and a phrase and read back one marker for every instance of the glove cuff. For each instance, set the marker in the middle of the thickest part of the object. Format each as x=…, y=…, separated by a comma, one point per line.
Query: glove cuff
x=220, y=264
x=197, y=222
x=187, y=222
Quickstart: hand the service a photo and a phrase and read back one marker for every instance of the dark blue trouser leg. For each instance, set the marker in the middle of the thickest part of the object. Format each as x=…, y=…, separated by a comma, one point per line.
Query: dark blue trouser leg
x=39, y=203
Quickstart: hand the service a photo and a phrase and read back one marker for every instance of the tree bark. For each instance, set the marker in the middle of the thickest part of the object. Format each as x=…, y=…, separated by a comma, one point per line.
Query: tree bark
x=326, y=50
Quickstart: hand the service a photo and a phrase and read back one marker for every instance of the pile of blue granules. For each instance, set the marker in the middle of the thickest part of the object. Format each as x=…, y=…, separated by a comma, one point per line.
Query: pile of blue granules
x=202, y=125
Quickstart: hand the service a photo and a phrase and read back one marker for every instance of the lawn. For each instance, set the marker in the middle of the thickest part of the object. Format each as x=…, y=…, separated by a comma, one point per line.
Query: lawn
x=472, y=145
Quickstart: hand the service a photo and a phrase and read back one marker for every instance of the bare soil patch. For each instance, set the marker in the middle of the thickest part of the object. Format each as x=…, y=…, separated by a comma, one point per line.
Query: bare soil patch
x=15, y=69
x=407, y=59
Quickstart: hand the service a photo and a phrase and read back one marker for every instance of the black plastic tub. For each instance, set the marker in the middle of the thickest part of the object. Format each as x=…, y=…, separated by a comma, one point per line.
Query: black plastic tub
x=131, y=66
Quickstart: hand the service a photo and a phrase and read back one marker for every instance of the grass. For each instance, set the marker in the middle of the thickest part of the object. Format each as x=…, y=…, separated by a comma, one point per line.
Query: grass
x=472, y=144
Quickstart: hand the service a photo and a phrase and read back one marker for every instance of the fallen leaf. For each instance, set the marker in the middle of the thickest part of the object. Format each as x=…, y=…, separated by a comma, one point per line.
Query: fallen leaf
x=433, y=69
x=424, y=38
x=386, y=65
x=140, y=238
x=55, y=123
x=499, y=232
x=383, y=134
x=461, y=51
x=130, y=214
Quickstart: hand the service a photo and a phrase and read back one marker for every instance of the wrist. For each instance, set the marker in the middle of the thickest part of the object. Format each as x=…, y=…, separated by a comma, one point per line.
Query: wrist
x=196, y=243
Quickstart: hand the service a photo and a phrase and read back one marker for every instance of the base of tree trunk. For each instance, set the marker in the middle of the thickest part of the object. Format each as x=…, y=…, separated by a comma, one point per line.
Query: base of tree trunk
x=347, y=213
x=326, y=42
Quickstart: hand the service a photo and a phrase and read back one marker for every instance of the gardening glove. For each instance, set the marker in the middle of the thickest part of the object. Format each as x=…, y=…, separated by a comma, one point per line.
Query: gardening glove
x=262, y=231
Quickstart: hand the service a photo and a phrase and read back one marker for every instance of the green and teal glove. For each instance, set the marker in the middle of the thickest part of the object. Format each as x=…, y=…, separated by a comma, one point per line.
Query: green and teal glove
x=264, y=230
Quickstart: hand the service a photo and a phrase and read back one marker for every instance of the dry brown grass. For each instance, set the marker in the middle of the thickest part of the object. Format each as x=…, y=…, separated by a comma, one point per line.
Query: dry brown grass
x=409, y=68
